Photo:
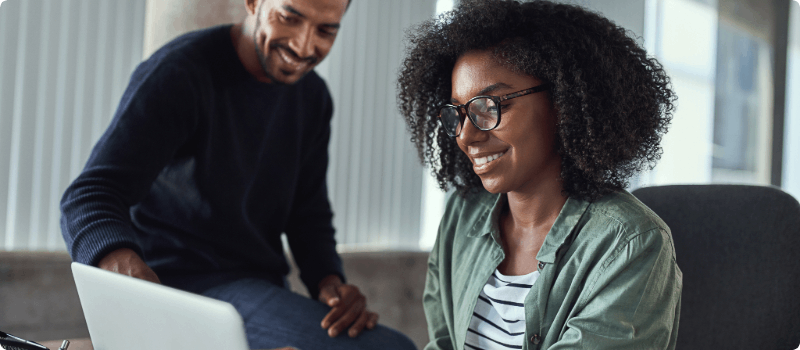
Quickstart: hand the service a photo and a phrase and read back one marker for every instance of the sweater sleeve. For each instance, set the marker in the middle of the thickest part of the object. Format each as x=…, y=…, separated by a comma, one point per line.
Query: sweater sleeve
x=310, y=229
x=154, y=118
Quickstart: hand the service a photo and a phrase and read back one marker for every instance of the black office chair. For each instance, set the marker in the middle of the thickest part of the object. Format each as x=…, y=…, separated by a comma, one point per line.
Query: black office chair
x=739, y=249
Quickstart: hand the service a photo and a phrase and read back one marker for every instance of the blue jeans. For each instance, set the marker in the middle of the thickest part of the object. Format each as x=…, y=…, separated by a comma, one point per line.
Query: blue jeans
x=275, y=317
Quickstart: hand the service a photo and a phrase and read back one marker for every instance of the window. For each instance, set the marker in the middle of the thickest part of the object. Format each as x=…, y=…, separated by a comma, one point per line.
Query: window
x=720, y=56
x=791, y=138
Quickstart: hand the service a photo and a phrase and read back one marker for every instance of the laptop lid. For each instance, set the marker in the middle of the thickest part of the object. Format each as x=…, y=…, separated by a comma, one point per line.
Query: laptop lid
x=124, y=313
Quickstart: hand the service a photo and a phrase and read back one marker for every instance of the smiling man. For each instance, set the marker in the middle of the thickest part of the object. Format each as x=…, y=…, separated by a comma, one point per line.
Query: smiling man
x=218, y=147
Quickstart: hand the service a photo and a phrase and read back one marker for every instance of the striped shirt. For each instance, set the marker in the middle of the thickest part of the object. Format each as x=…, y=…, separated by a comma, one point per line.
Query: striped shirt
x=498, y=321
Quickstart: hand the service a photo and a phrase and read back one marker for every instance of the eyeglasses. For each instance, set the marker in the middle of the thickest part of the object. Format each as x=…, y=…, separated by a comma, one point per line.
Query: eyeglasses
x=483, y=111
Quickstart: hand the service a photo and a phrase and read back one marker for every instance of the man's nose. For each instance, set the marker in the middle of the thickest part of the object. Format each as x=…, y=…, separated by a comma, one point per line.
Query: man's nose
x=303, y=42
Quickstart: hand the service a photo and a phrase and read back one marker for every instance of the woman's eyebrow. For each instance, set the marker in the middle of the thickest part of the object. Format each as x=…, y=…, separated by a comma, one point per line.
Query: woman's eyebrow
x=493, y=87
x=486, y=90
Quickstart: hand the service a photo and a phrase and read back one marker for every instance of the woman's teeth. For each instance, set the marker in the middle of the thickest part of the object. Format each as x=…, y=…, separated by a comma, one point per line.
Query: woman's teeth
x=487, y=159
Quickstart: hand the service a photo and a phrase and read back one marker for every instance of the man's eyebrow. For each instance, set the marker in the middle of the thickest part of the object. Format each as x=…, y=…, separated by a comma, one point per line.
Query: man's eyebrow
x=294, y=11
x=486, y=90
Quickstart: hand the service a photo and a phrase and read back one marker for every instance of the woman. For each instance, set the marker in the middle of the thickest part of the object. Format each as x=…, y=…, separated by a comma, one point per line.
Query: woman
x=537, y=114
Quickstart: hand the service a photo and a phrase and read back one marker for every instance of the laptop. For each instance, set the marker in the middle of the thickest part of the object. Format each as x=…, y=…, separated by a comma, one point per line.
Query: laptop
x=125, y=313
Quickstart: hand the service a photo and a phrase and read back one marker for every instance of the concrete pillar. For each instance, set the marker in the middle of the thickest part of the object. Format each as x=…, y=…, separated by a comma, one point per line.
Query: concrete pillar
x=167, y=19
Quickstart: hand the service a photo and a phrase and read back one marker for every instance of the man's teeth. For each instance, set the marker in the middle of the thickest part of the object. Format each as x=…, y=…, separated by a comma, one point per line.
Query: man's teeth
x=487, y=159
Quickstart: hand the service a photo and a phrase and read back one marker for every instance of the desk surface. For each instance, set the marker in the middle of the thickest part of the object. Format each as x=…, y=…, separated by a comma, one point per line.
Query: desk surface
x=74, y=344
x=83, y=344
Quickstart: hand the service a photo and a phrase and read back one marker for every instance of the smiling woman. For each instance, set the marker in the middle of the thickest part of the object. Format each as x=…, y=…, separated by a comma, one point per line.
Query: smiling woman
x=537, y=113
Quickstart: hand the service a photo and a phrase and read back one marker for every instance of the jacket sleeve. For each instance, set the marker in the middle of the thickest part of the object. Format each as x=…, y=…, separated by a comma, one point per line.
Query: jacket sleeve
x=147, y=129
x=433, y=303
x=310, y=229
x=633, y=302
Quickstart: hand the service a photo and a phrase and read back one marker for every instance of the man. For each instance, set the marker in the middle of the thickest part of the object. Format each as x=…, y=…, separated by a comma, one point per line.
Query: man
x=218, y=146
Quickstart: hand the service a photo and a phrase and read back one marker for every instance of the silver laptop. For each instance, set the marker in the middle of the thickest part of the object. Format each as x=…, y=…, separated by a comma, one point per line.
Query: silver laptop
x=128, y=313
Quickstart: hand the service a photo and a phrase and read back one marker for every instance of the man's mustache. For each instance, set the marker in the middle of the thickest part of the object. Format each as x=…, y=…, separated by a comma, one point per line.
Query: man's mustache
x=309, y=59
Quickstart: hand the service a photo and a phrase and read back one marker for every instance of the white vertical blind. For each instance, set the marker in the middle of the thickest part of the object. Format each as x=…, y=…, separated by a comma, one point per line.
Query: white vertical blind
x=374, y=177
x=63, y=67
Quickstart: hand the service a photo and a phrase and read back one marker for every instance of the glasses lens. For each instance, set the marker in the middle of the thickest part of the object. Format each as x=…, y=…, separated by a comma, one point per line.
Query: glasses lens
x=483, y=112
x=450, y=120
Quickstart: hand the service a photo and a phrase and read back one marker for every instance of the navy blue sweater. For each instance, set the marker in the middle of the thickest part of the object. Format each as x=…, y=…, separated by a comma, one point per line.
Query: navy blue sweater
x=203, y=167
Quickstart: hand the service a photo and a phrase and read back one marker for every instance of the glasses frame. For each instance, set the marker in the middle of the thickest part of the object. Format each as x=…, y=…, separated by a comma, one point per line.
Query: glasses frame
x=462, y=109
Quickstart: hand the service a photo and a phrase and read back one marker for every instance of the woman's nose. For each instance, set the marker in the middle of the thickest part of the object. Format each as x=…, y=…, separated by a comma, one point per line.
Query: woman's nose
x=470, y=133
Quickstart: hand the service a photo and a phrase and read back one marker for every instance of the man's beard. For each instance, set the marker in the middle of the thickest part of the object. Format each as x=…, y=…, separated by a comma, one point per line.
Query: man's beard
x=264, y=65
x=262, y=59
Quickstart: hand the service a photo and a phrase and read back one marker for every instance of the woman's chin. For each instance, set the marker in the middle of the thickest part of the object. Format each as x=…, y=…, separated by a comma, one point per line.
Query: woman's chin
x=492, y=186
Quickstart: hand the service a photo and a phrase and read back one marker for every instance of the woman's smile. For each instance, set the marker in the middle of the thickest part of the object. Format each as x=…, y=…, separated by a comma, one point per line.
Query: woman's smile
x=483, y=164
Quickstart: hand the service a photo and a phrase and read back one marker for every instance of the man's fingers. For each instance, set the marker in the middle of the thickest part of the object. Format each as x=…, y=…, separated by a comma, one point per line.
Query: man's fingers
x=350, y=312
x=348, y=317
x=357, y=327
x=332, y=316
x=142, y=271
x=348, y=293
x=151, y=276
x=345, y=296
x=372, y=320
x=328, y=293
x=329, y=296
x=125, y=261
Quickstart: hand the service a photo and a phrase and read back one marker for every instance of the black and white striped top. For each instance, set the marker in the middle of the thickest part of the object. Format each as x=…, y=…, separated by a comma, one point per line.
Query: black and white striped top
x=498, y=321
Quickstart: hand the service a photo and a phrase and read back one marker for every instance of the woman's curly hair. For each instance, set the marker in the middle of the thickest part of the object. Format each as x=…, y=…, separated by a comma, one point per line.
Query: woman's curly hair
x=613, y=102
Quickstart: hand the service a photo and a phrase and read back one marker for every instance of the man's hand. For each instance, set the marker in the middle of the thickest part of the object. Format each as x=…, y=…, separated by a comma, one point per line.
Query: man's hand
x=125, y=261
x=349, y=308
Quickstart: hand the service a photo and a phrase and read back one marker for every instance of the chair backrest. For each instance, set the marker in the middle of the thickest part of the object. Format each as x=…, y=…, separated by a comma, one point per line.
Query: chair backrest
x=739, y=249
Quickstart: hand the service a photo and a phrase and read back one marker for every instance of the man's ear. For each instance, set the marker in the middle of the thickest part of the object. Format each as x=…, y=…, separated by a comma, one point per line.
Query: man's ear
x=251, y=6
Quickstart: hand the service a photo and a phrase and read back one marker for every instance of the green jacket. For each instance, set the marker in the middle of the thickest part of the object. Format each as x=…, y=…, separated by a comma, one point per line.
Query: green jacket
x=608, y=277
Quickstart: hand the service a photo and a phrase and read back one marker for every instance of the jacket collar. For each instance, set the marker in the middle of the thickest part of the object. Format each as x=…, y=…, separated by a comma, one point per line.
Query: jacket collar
x=565, y=223
x=490, y=207
x=492, y=204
